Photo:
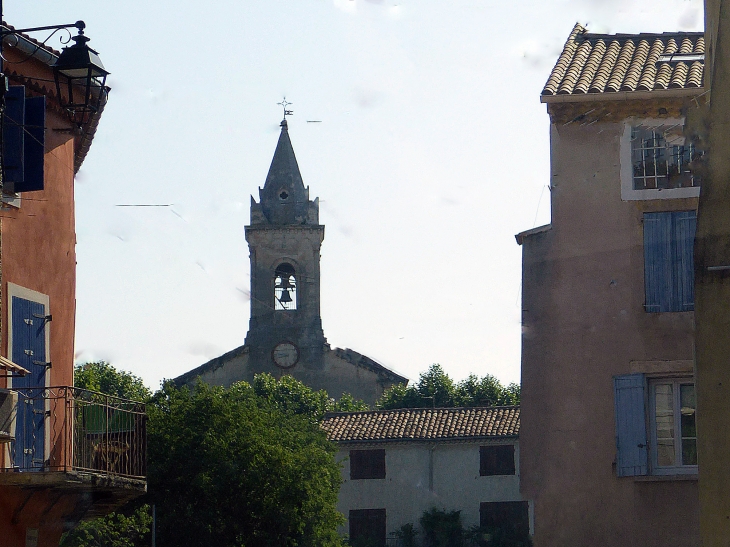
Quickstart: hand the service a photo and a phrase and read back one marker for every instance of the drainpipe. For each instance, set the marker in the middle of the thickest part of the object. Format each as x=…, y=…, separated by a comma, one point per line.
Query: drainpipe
x=430, y=467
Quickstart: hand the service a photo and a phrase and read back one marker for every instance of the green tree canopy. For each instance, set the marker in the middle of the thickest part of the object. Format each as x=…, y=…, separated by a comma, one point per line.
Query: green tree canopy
x=102, y=377
x=435, y=388
x=247, y=465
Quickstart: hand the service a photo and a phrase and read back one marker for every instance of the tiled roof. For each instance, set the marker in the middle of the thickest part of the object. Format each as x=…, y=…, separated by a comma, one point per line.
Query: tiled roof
x=611, y=63
x=423, y=424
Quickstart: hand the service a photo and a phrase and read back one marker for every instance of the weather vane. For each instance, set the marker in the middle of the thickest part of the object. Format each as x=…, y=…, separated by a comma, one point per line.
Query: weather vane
x=284, y=104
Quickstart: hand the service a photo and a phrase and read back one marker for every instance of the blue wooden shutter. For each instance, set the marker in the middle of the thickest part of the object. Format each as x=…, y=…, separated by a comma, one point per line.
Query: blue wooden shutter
x=34, y=143
x=658, y=262
x=13, y=141
x=631, y=450
x=29, y=351
x=684, y=227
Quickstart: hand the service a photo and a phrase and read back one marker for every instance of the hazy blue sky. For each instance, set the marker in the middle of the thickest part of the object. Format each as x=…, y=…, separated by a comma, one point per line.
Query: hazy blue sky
x=432, y=153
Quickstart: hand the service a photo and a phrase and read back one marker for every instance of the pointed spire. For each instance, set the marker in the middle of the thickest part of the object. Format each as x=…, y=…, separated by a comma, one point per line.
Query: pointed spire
x=284, y=199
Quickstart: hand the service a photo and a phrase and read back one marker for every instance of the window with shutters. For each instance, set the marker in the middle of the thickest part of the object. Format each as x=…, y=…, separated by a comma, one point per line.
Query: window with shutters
x=367, y=464
x=23, y=141
x=668, y=261
x=673, y=426
x=367, y=527
x=667, y=406
x=496, y=460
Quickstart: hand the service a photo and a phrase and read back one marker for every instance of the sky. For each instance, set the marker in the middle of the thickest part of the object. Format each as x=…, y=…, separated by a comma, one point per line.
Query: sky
x=430, y=153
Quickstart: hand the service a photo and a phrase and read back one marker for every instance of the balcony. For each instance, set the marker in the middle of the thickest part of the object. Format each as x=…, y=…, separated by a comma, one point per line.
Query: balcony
x=70, y=437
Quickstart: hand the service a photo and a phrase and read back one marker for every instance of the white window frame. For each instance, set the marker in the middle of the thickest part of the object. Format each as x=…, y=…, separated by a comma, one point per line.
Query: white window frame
x=627, y=172
x=679, y=469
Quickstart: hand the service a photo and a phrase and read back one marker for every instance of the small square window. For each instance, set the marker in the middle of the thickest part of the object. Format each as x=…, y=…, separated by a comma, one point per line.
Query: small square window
x=497, y=460
x=367, y=464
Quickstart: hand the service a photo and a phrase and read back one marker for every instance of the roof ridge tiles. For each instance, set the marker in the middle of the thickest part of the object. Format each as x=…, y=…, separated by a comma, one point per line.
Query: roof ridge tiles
x=612, y=63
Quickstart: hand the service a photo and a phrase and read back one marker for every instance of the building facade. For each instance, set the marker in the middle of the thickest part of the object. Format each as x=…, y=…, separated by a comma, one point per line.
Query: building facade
x=65, y=454
x=398, y=464
x=609, y=449
x=285, y=333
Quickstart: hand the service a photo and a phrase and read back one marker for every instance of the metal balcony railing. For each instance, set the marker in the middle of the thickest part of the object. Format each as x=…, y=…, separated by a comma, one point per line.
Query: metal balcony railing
x=70, y=429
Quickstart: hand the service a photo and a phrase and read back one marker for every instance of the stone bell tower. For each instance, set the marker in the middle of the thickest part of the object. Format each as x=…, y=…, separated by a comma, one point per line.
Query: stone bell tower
x=284, y=239
x=285, y=334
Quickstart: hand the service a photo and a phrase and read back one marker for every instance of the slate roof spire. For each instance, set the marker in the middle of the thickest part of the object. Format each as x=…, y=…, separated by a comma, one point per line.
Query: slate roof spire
x=284, y=199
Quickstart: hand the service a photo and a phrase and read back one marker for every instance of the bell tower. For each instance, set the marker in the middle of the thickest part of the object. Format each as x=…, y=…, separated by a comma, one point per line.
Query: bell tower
x=284, y=238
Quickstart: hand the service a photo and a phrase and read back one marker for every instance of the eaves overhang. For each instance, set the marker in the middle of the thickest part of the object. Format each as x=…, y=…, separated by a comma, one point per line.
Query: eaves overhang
x=693, y=92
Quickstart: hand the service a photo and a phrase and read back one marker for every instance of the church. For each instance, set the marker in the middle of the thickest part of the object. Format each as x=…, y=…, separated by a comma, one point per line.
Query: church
x=285, y=334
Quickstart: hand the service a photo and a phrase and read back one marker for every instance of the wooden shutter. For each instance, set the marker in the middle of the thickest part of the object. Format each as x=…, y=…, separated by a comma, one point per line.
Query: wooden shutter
x=368, y=527
x=34, y=144
x=658, y=262
x=497, y=460
x=13, y=141
x=631, y=441
x=367, y=464
x=684, y=227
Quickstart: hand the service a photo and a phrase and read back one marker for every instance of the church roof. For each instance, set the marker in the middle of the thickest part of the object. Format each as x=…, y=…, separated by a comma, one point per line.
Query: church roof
x=423, y=424
x=614, y=63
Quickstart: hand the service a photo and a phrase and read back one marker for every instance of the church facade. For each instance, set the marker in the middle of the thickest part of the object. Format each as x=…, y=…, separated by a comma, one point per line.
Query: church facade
x=285, y=335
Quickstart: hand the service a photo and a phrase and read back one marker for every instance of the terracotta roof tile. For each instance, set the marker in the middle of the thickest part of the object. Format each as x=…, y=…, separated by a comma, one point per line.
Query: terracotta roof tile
x=422, y=424
x=600, y=63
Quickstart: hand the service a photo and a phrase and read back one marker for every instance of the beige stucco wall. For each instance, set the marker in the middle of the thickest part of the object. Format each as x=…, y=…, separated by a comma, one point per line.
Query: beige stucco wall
x=415, y=483
x=583, y=323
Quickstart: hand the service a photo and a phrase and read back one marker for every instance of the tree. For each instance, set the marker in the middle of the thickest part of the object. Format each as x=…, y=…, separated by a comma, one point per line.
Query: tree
x=102, y=377
x=113, y=530
x=293, y=397
x=247, y=465
x=435, y=388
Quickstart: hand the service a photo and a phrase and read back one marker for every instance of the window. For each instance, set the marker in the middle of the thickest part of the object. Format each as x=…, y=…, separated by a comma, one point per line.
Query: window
x=285, y=288
x=670, y=448
x=668, y=261
x=367, y=527
x=511, y=518
x=660, y=159
x=497, y=460
x=673, y=425
x=367, y=464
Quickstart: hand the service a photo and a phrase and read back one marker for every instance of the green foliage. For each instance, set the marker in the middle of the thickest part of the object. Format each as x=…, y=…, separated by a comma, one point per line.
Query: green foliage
x=293, y=397
x=498, y=537
x=102, y=377
x=435, y=388
x=113, y=530
x=442, y=528
x=247, y=465
x=406, y=535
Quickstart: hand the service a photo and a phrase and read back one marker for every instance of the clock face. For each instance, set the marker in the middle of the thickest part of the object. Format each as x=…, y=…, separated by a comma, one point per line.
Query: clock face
x=285, y=355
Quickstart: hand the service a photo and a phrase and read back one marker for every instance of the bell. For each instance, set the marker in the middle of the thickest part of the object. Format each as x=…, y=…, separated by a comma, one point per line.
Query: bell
x=285, y=298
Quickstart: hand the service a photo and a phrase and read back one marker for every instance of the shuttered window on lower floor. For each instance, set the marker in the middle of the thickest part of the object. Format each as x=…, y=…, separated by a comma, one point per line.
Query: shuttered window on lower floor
x=367, y=527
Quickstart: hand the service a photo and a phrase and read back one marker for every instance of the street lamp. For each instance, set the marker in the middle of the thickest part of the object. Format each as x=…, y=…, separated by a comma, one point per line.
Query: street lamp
x=79, y=68
x=79, y=73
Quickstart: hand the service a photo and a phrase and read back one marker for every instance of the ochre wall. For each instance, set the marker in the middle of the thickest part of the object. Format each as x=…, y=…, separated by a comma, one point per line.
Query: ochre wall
x=584, y=322
x=39, y=249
